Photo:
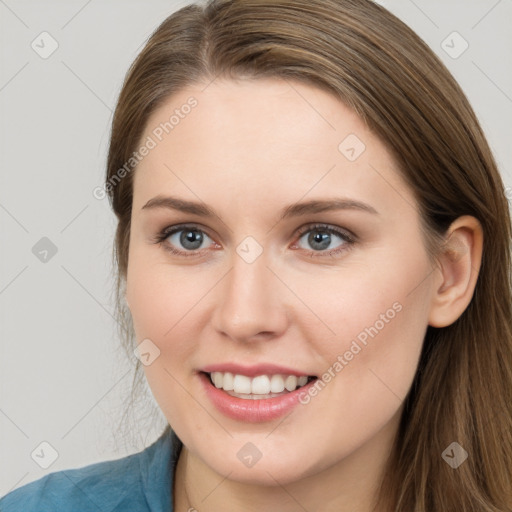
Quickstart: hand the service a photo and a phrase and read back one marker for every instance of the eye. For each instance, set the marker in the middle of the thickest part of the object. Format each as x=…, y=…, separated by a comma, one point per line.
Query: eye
x=319, y=237
x=184, y=240
x=191, y=240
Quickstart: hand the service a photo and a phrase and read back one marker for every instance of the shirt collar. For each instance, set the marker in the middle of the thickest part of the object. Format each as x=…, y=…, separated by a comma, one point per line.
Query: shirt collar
x=157, y=465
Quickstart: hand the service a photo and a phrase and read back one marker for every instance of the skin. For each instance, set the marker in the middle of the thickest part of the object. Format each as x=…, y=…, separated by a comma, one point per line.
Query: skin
x=247, y=150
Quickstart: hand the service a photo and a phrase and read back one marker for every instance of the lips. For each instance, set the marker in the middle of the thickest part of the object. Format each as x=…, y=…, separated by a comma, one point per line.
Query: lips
x=253, y=370
x=254, y=394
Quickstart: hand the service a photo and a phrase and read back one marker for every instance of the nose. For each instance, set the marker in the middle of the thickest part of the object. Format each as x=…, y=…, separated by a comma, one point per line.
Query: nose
x=249, y=302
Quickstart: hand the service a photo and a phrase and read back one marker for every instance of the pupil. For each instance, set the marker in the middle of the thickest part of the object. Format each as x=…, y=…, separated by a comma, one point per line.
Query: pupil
x=191, y=237
x=322, y=239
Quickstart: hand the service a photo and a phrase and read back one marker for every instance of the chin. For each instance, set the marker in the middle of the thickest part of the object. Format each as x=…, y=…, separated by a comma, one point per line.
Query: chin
x=270, y=470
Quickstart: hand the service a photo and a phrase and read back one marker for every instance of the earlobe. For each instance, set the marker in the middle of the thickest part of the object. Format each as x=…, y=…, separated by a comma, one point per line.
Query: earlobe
x=459, y=262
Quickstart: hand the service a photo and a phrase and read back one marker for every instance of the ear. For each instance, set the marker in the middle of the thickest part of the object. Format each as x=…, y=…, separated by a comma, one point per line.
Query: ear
x=459, y=262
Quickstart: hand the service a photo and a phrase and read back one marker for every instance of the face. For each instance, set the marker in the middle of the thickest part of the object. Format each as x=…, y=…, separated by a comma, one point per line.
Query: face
x=301, y=262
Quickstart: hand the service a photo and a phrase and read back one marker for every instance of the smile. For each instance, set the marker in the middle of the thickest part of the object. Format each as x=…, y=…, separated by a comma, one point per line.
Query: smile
x=256, y=399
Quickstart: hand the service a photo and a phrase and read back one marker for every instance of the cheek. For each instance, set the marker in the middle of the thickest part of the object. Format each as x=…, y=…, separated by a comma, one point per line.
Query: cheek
x=368, y=290
x=160, y=295
x=377, y=315
x=167, y=305
x=162, y=303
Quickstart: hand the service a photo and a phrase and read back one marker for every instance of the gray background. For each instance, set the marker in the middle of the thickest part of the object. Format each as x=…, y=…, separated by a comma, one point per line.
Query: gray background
x=63, y=378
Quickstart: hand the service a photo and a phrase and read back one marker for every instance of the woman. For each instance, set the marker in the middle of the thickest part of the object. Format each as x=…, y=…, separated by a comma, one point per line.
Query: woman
x=313, y=243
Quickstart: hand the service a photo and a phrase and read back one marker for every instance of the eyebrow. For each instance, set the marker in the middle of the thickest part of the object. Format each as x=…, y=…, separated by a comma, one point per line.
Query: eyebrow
x=293, y=210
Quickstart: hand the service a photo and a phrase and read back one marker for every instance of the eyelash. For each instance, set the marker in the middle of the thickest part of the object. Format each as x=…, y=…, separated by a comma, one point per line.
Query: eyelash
x=345, y=235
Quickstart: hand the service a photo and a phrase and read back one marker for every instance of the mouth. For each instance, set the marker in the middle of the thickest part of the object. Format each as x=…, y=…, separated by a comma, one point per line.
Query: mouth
x=256, y=393
x=260, y=387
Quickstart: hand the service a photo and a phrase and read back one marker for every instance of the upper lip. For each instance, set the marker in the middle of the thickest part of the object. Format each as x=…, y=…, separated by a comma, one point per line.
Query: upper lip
x=253, y=370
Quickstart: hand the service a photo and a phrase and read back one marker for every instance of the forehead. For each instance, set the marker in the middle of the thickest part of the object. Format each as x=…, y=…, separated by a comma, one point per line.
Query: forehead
x=264, y=138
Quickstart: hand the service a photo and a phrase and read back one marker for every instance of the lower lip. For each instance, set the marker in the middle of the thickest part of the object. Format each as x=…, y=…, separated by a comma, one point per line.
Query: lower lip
x=252, y=411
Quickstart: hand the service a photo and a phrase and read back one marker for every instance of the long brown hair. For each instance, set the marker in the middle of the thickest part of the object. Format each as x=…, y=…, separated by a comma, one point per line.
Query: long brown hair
x=375, y=64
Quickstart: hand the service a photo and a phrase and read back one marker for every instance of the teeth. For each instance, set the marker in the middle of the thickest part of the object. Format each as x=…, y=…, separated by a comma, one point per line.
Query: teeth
x=290, y=383
x=276, y=384
x=260, y=385
x=302, y=381
x=228, y=382
x=217, y=379
x=241, y=384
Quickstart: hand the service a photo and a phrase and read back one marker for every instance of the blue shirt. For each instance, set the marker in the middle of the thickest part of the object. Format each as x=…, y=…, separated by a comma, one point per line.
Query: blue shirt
x=141, y=482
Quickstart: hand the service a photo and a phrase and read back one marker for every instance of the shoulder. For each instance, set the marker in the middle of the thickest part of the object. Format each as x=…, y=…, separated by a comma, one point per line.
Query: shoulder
x=138, y=482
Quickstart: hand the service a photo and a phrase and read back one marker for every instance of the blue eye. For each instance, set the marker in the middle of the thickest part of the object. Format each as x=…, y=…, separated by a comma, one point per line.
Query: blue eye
x=188, y=240
x=189, y=237
x=320, y=238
